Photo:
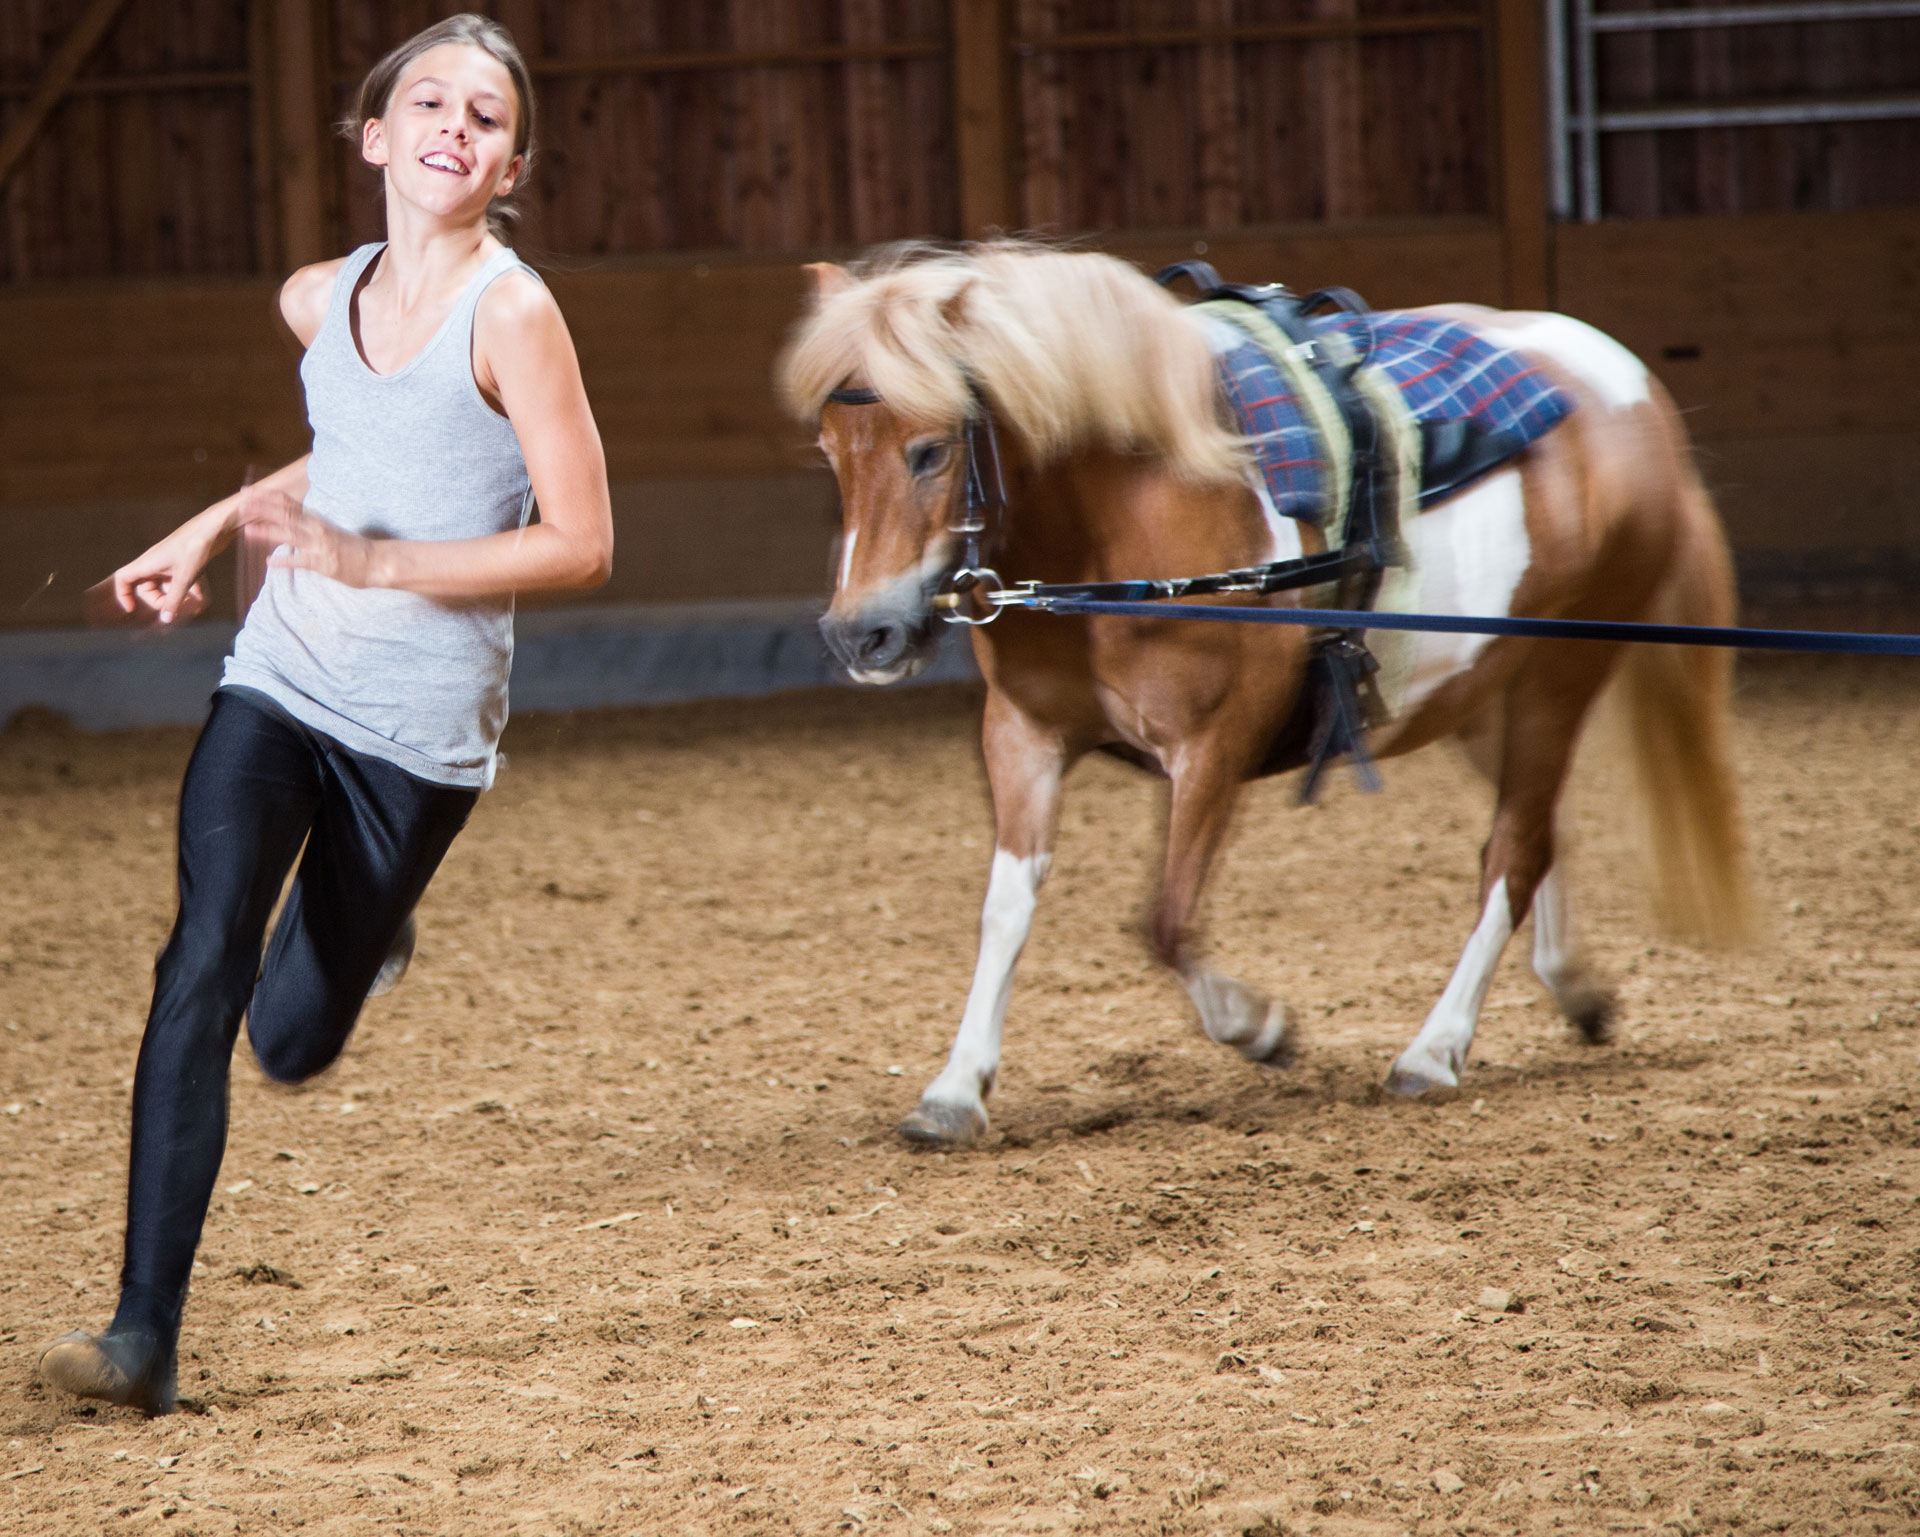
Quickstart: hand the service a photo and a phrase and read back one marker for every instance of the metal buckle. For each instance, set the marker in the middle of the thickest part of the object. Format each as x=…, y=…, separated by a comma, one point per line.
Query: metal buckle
x=964, y=581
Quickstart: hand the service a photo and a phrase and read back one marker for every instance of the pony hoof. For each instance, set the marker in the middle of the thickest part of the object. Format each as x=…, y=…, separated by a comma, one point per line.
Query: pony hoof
x=1591, y=1011
x=1413, y=1076
x=1278, y=1043
x=399, y=958
x=937, y=1125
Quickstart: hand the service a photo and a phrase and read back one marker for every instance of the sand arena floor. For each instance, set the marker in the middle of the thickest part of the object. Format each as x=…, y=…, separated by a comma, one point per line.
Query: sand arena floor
x=601, y=1226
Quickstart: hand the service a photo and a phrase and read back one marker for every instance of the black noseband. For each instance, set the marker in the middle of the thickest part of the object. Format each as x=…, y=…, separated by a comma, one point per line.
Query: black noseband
x=854, y=397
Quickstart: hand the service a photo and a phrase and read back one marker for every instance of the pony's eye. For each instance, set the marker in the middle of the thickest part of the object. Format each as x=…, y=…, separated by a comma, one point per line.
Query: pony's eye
x=927, y=458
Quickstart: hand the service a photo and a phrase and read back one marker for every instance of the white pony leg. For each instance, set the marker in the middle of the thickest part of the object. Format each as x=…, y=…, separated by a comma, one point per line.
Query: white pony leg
x=953, y=1108
x=1553, y=961
x=1557, y=962
x=1439, y=1051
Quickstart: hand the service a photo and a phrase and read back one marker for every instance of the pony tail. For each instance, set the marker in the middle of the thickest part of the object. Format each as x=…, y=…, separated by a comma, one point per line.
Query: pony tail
x=1677, y=703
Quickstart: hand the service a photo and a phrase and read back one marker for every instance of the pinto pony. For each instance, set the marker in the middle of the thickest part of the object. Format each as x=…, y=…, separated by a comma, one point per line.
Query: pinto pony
x=1118, y=463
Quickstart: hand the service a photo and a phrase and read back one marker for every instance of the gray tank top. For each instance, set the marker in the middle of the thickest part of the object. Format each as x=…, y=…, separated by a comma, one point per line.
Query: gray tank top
x=415, y=454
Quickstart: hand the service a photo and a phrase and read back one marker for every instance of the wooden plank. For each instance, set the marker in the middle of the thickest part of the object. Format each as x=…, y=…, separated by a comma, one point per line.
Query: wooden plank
x=752, y=57
x=1520, y=49
x=1333, y=26
x=73, y=51
x=1334, y=69
x=1787, y=323
x=865, y=126
x=1041, y=201
x=523, y=22
x=1217, y=142
x=302, y=161
x=159, y=82
x=265, y=152
x=1717, y=151
x=983, y=127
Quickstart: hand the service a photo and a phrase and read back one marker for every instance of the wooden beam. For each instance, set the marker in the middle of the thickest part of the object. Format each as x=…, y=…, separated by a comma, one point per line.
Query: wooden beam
x=1218, y=146
x=302, y=159
x=740, y=58
x=1520, y=68
x=1334, y=65
x=74, y=50
x=1317, y=29
x=982, y=102
x=146, y=84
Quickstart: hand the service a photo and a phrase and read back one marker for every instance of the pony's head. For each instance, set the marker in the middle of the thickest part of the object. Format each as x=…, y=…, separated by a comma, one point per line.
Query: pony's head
x=1068, y=350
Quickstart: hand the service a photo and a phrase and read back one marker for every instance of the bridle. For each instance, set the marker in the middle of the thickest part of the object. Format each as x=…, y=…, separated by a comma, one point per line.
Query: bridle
x=983, y=494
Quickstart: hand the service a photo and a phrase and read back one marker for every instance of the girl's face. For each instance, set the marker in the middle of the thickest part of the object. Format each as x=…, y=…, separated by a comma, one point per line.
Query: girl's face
x=446, y=142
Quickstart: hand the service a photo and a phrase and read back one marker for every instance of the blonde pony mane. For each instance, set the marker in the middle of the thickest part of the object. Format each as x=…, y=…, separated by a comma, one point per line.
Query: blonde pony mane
x=1072, y=348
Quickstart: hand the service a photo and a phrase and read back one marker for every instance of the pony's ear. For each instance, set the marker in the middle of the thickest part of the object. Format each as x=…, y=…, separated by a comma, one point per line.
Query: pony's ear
x=953, y=309
x=829, y=278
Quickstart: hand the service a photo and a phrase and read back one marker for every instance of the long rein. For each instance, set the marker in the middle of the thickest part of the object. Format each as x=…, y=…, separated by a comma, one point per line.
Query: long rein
x=972, y=580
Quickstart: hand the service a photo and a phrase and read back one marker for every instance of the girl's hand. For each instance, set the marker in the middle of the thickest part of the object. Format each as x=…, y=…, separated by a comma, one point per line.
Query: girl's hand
x=305, y=541
x=161, y=587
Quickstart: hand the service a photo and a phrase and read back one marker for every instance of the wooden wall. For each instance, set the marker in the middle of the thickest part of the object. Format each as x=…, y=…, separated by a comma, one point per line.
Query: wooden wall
x=1773, y=169
x=200, y=136
x=145, y=169
x=1145, y=114
x=693, y=156
x=652, y=139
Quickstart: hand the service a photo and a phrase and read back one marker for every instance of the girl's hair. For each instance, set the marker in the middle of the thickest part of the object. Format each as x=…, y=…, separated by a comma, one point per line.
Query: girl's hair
x=376, y=93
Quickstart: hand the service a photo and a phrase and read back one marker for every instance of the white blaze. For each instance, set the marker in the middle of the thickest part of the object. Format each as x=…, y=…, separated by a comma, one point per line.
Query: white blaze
x=846, y=556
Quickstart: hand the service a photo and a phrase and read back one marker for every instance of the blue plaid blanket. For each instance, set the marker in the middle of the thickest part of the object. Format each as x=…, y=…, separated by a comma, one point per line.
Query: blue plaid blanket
x=1442, y=369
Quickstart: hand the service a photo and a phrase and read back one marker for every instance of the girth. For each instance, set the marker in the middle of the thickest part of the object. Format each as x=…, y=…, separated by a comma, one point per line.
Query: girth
x=1340, y=690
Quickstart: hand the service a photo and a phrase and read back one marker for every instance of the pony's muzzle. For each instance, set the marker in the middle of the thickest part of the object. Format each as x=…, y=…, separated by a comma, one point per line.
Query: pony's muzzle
x=878, y=644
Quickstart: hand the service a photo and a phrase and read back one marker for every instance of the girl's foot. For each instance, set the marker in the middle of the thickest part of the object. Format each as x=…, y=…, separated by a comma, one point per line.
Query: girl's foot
x=131, y=1368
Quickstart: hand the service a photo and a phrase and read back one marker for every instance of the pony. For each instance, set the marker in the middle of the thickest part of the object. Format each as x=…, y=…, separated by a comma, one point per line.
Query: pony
x=1117, y=461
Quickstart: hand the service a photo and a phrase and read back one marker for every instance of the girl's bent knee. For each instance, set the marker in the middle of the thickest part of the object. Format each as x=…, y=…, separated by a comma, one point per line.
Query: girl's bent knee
x=294, y=1055
x=290, y=1063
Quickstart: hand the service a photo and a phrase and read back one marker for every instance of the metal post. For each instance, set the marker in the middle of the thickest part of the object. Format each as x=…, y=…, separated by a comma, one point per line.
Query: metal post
x=1586, y=84
x=1560, y=168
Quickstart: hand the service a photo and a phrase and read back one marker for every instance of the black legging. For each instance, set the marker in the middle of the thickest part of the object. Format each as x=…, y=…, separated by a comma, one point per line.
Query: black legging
x=259, y=783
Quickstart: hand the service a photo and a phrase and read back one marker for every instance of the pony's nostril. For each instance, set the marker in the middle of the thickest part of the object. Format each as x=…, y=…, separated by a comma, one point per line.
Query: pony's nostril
x=882, y=644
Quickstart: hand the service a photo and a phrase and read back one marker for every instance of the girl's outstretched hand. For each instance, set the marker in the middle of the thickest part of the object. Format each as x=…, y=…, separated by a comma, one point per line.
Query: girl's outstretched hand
x=305, y=541
x=161, y=587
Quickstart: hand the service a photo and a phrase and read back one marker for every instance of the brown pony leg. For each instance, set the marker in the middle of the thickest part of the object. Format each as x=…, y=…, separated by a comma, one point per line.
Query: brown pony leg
x=1587, y=1000
x=1544, y=708
x=1025, y=763
x=1206, y=781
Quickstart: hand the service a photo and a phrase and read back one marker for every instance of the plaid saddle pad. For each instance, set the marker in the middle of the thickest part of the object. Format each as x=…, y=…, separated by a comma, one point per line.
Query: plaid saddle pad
x=1442, y=372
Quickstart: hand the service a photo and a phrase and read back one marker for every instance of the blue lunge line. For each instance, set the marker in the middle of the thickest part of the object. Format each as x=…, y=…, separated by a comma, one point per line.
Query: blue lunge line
x=1464, y=624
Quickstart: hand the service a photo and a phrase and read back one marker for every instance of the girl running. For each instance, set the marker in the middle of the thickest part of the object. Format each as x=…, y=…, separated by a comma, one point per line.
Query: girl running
x=360, y=709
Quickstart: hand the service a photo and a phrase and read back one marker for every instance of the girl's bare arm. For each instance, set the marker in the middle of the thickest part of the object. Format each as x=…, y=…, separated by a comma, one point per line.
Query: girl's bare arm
x=162, y=585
